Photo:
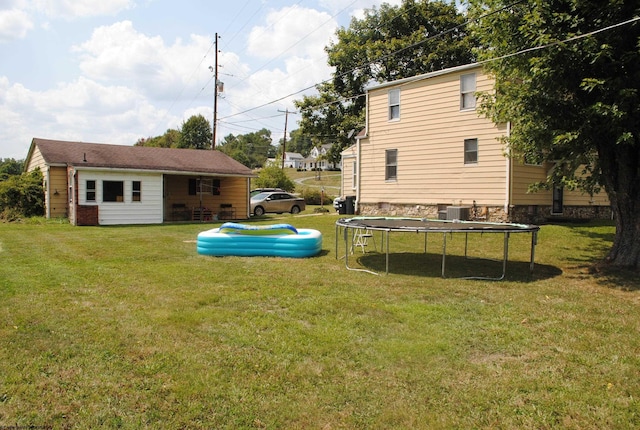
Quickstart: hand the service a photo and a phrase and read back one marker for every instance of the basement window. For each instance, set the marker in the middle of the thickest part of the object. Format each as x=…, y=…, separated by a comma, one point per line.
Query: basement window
x=112, y=191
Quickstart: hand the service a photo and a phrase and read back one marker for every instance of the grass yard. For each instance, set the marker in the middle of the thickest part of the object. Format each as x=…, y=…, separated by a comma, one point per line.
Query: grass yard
x=128, y=327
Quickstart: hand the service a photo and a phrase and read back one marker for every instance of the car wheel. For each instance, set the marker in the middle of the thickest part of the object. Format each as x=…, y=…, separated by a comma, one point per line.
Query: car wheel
x=258, y=211
x=295, y=210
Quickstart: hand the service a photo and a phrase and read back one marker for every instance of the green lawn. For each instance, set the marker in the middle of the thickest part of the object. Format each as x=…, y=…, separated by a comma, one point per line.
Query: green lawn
x=105, y=327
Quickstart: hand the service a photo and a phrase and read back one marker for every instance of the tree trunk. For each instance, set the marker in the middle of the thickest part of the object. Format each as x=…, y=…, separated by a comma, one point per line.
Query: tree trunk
x=621, y=173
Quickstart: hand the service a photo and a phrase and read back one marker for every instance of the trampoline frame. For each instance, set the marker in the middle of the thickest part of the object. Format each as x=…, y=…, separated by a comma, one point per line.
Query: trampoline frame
x=423, y=225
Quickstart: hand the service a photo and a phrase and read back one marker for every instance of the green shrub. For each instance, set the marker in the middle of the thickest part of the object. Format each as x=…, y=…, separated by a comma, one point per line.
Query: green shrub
x=22, y=196
x=274, y=177
x=313, y=196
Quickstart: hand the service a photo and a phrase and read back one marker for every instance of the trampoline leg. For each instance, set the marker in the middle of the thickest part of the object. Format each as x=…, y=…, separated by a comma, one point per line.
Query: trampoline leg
x=387, y=252
x=466, y=241
x=505, y=257
x=534, y=241
x=444, y=252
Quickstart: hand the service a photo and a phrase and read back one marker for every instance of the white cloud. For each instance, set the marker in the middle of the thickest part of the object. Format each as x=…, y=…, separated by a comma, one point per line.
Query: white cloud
x=293, y=31
x=80, y=110
x=70, y=9
x=14, y=24
x=119, y=53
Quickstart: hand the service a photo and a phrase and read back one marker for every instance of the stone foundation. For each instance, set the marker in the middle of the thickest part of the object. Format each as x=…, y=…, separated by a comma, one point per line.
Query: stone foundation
x=520, y=214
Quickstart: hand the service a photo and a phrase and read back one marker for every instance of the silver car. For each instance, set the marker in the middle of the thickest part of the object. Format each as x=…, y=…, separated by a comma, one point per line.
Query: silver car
x=276, y=201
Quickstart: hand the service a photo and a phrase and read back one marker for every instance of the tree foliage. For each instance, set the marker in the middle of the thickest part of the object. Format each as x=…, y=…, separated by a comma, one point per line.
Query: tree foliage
x=572, y=95
x=196, y=133
x=273, y=177
x=250, y=149
x=389, y=43
x=297, y=142
x=169, y=139
x=10, y=167
x=22, y=196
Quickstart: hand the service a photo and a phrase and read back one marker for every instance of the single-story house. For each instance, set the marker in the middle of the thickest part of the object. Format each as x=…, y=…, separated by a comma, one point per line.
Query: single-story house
x=102, y=184
x=425, y=148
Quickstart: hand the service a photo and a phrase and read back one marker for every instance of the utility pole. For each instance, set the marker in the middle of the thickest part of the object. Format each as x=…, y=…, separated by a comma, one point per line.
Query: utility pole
x=284, y=140
x=215, y=95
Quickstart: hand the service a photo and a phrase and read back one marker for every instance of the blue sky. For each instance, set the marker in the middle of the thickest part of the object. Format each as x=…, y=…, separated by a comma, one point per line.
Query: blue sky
x=119, y=70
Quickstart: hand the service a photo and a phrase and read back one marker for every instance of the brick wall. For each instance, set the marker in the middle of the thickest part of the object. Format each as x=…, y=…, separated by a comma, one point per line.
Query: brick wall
x=87, y=215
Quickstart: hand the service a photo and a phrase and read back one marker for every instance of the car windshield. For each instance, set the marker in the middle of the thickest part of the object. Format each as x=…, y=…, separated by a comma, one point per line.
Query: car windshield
x=260, y=196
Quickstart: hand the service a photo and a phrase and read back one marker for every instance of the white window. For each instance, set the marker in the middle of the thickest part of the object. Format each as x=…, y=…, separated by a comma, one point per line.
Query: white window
x=91, y=191
x=354, y=176
x=136, y=191
x=468, y=91
x=394, y=105
x=471, y=151
x=391, y=165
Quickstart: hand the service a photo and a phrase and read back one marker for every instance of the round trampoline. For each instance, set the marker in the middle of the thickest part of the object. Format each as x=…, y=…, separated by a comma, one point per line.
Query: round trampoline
x=354, y=229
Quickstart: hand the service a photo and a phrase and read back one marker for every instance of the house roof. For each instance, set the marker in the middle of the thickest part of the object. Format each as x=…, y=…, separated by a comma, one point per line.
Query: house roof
x=423, y=76
x=99, y=155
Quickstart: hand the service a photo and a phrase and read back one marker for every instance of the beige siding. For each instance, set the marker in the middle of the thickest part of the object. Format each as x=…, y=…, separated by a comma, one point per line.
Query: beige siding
x=58, y=193
x=233, y=191
x=36, y=160
x=429, y=138
x=524, y=175
x=349, y=162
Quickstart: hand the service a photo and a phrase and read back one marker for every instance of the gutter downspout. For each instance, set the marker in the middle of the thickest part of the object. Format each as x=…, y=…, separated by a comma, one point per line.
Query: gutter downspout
x=359, y=152
x=47, y=197
x=509, y=168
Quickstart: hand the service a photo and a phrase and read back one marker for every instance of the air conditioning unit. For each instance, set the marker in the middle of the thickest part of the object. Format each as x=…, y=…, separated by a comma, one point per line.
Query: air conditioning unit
x=458, y=213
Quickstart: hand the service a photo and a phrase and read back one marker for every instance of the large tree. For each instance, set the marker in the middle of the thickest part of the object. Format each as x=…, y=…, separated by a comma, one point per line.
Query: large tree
x=196, y=133
x=251, y=149
x=388, y=43
x=568, y=79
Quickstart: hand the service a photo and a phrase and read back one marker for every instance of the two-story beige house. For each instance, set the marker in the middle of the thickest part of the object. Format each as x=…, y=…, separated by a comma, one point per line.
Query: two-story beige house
x=426, y=148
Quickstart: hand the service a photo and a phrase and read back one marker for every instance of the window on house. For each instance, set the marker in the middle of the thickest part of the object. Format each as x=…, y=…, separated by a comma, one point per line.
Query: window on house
x=136, y=191
x=391, y=165
x=204, y=186
x=470, y=151
x=354, y=176
x=468, y=91
x=91, y=191
x=558, y=204
x=112, y=191
x=394, y=104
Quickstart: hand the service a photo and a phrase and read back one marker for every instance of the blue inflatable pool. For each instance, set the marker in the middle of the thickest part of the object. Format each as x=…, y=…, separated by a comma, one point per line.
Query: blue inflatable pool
x=279, y=240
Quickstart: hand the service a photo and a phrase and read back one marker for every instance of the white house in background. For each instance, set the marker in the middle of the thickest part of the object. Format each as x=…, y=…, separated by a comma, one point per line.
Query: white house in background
x=292, y=160
x=317, y=159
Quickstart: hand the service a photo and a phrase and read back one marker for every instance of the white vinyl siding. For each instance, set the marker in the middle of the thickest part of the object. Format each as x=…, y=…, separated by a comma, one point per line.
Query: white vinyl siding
x=126, y=211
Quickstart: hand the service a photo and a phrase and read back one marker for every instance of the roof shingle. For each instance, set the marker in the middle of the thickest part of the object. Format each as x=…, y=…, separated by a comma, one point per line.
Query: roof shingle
x=139, y=157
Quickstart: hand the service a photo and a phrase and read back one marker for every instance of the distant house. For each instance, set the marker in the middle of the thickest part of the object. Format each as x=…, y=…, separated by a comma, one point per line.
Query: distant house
x=100, y=184
x=293, y=160
x=426, y=148
x=317, y=159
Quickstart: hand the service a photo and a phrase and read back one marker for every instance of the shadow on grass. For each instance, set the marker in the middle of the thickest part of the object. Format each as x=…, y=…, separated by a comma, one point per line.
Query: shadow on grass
x=430, y=265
